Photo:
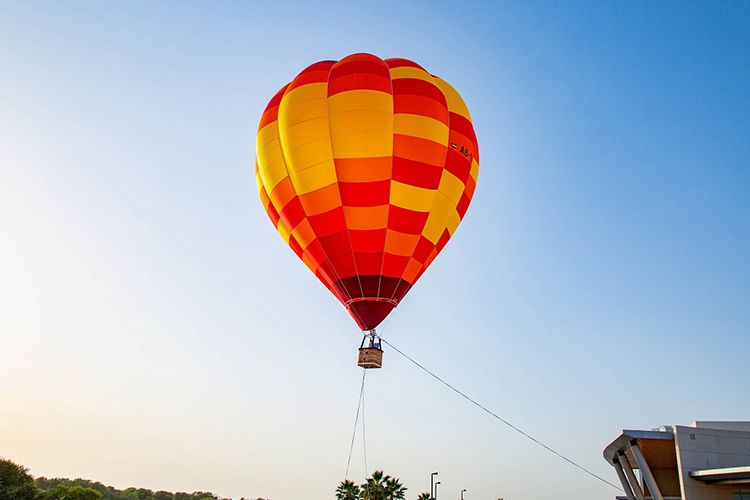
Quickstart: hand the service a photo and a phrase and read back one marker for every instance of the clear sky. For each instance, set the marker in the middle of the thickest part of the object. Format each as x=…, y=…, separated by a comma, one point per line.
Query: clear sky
x=155, y=331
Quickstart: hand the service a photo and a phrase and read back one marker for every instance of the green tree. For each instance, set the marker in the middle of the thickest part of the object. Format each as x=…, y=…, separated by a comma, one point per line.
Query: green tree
x=347, y=490
x=423, y=496
x=382, y=487
x=394, y=490
x=63, y=492
x=129, y=494
x=144, y=494
x=15, y=482
x=163, y=495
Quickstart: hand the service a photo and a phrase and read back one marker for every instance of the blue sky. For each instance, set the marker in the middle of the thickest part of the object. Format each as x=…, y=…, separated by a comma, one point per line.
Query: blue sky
x=157, y=332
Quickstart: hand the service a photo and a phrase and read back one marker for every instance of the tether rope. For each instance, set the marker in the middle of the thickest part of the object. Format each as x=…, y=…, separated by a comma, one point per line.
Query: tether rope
x=364, y=434
x=356, y=420
x=502, y=419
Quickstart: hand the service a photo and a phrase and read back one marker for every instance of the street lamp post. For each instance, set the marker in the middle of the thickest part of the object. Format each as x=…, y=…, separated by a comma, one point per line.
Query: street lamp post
x=432, y=487
x=436, y=485
x=462, y=493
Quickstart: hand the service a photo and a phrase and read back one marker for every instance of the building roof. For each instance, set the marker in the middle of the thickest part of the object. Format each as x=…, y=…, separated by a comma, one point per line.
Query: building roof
x=621, y=442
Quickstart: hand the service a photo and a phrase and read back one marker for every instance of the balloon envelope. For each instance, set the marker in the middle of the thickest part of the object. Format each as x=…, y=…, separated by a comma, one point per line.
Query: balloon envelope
x=366, y=168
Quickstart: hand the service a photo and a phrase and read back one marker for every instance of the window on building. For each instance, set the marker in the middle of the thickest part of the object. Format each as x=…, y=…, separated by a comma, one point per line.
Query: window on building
x=742, y=495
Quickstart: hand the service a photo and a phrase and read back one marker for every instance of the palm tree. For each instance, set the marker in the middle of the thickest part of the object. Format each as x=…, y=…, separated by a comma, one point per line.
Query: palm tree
x=382, y=487
x=347, y=490
x=394, y=489
x=374, y=486
x=423, y=496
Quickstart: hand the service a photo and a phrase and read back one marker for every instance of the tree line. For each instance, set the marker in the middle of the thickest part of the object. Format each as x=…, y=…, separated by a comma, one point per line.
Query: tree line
x=17, y=484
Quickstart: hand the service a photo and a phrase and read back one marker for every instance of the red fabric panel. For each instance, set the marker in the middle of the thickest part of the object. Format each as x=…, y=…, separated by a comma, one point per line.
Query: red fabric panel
x=458, y=164
x=316, y=253
x=394, y=265
x=463, y=126
x=443, y=240
x=328, y=223
x=296, y=248
x=405, y=220
x=344, y=267
x=463, y=205
x=336, y=245
x=424, y=247
x=272, y=109
x=314, y=73
x=292, y=214
x=420, y=105
x=397, y=62
x=361, y=71
x=416, y=173
x=370, y=263
x=367, y=241
x=365, y=194
x=402, y=86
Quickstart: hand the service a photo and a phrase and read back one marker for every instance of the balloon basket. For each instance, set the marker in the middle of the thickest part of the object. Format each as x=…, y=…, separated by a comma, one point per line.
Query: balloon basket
x=370, y=355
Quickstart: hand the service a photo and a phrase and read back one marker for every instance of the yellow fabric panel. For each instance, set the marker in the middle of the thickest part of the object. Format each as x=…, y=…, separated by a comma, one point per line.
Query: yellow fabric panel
x=362, y=145
x=304, y=233
x=361, y=121
x=474, y=172
x=420, y=126
x=316, y=177
x=445, y=211
x=455, y=103
x=360, y=99
x=258, y=180
x=303, y=129
x=267, y=134
x=307, y=92
x=361, y=124
x=306, y=132
x=451, y=186
x=283, y=231
x=308, y=155
x=363, y=218
x=398, y=243
x=410, y=72
x=433, y=229
x=272, y=173
x=411, y=197
x=302, y=112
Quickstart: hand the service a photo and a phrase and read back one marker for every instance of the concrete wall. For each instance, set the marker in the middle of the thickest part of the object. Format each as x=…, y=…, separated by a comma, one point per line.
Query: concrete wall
x=701, y=448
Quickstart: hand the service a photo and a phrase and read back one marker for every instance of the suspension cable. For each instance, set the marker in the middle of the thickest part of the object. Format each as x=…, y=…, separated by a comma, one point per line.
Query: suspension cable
x=501, y=419
x=356, y=420
x=364, y=434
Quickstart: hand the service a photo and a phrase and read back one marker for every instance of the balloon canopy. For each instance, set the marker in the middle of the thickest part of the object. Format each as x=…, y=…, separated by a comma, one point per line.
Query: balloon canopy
x=366, y=168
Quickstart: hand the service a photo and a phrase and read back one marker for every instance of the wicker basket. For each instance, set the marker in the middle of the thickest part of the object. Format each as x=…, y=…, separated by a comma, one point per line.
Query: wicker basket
x=370, y=357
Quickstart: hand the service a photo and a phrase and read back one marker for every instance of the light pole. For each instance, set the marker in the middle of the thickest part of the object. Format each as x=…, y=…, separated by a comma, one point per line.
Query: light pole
x=432, y=487
x=462, y=493
x=436, y=485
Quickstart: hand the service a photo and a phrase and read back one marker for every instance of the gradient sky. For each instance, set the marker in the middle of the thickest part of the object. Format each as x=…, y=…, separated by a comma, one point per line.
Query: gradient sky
x=155, y=331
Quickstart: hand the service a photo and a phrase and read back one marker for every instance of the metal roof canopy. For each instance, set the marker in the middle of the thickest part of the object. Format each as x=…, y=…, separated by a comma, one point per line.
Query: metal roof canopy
x=728, y=475
x=647, y=440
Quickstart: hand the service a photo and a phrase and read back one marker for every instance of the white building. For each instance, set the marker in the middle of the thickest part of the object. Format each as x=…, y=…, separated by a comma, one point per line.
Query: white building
x=703, y=461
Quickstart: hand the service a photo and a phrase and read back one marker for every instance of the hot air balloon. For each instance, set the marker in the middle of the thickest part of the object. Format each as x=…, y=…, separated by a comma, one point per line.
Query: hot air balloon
x=366, y=167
